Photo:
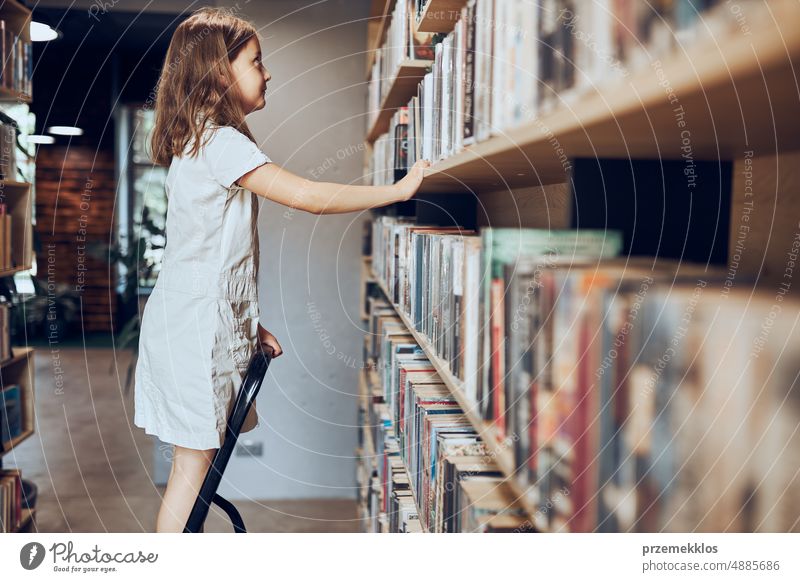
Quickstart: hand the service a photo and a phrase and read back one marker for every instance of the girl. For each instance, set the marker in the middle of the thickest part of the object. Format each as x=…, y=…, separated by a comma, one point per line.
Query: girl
x=200, y=325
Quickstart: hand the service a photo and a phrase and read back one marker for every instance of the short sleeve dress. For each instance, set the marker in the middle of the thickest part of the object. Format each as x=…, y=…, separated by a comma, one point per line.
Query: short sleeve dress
x=199, y=326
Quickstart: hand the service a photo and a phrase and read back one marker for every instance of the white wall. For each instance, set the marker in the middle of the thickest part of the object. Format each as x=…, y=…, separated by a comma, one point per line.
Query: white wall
x=308, y=285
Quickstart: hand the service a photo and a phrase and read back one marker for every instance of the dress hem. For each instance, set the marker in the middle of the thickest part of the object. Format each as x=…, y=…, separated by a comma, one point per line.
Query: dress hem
x=173, y=438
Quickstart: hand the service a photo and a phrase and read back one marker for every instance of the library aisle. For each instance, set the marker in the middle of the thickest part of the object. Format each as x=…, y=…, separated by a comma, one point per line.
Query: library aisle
x=586, y=319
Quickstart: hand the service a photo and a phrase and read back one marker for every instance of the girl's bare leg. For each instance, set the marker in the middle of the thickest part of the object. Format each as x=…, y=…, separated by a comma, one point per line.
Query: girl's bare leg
x=189, y=468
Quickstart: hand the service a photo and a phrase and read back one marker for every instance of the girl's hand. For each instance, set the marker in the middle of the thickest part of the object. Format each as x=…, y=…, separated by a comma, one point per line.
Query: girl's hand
x=413, y=179
x=267, y=339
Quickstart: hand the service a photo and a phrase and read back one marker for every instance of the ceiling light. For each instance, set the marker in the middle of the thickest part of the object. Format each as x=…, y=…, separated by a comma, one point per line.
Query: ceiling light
x=43, y=32
x=41, y=139
x=64, y=130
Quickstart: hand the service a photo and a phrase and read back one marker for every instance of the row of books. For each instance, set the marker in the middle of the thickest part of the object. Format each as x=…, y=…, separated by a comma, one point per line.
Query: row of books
x=636, y=395
x=16, y=72
x=389, y=153
x=5, y=330
x=10, y=500
x=6, y=261
x=532, y=57
x=386, y=502
x=403, y=42
x=10, y=413
x=8, y=151
x=658, y=398
x=446, y=468
x=440, y=278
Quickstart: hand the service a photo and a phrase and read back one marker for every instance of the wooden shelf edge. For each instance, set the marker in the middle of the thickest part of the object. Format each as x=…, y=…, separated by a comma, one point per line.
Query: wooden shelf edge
x=15, y=6
x=26, y=518
x=377, y=8
x=14, y=184
x=8, y=446
x=497, y=449
x=13, y=270
x=439, y=16
x=20, y=354
x=406, y=77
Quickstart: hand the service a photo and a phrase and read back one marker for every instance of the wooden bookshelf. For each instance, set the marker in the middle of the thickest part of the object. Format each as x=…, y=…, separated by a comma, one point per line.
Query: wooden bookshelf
x=19, y=200
x=499, y=450
x=369, y=387
x=13, y=270
x=18, y=197
x=9, y=95
x=440, y=15
x=377, y=28
x=17, y=17
x=19, y=370
x=403, y=87
x=16, y=9
x=739, y=93
x=372, y=388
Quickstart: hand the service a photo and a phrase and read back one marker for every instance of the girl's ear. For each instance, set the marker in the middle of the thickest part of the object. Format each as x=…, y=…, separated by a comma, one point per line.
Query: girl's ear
x=223, y=77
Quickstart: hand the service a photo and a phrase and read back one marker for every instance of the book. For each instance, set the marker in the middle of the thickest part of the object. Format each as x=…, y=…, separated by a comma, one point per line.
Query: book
x=10, y=413
x=10, y=500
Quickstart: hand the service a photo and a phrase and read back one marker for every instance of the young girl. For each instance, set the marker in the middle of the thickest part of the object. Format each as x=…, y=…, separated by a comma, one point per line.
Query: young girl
x=200, y=325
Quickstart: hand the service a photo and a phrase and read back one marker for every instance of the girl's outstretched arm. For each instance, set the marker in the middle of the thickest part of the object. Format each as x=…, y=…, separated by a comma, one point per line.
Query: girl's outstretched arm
x=274, y=183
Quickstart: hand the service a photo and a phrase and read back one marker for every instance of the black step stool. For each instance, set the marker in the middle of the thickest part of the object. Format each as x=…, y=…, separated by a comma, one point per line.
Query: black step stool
x=251, y=384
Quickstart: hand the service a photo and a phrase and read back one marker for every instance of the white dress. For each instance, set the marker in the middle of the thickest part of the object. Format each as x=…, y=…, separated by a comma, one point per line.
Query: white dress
x=199, y=326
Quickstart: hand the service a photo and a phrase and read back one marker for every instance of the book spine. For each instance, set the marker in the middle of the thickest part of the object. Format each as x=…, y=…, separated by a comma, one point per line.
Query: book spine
x=469, y=75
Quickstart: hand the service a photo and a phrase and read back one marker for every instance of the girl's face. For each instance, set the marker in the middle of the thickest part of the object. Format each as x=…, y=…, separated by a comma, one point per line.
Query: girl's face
x=250, y=76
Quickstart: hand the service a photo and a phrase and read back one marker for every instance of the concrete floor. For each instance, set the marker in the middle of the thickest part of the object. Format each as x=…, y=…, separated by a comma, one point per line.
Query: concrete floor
x=93, y=466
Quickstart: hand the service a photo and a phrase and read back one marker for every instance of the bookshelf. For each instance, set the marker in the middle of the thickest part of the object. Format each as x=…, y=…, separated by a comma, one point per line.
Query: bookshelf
x=498, y=447
x=19, y=370
x=19, y=200
x=403, y=85
x=17, y=196
x=367, y=455
x=732, y=86
x=380, y=12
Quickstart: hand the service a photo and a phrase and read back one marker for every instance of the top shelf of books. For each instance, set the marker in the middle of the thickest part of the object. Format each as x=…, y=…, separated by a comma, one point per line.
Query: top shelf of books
x=380, y=16
x=591, y=82
x=16, y=51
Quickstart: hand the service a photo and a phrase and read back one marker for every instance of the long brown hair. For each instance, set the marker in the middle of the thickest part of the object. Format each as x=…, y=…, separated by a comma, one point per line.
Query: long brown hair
x=196, y=85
